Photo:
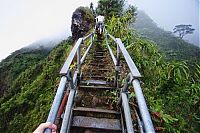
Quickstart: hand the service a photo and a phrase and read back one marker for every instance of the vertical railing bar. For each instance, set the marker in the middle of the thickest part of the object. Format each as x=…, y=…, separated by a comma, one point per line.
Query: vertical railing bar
x=128, y=59
x=139, y=122
x=65, y=123
x=70, y=58
x=127, y=114
x=79, y=59
x=110, y=51
x=86, y=52
x=117, y=69
x=68, y=108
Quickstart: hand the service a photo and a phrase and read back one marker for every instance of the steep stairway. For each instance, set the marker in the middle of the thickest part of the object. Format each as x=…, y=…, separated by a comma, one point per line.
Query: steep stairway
x=96, y=100
x=95, y=111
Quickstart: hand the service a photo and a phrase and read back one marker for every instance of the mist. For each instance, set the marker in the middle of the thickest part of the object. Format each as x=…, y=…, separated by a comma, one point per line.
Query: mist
x=24, y=22
x=168, y=13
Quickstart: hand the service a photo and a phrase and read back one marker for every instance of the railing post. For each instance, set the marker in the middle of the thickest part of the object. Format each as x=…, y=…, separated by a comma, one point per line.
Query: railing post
x=68, y=108
x=79, y=59
x=117, y=68
x=92, y=38
x=126, y=109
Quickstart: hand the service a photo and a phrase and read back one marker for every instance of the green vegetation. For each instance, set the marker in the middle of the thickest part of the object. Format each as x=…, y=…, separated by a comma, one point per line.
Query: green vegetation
x=19, y=61
x=173, y=47
x=87, y=14
x=32, y=92
x=109, y=8
x=171, y=89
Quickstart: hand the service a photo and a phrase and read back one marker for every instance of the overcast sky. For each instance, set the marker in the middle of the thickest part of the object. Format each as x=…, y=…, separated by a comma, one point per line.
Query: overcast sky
x=23, y=22
x=168, y=13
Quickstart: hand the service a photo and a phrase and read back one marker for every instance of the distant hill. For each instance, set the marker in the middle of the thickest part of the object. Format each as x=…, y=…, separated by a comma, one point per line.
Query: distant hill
x=23, y=59
x=175, y=48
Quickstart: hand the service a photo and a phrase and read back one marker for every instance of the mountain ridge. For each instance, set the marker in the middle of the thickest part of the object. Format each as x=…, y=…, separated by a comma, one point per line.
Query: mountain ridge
x=174, y=47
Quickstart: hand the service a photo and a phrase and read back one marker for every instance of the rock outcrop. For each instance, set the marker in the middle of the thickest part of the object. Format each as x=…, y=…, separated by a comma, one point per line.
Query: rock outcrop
x=82, y=22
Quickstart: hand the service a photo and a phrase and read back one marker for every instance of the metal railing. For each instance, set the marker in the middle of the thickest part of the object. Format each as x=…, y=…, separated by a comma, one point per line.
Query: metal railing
x=134, y=76
x=69, y=82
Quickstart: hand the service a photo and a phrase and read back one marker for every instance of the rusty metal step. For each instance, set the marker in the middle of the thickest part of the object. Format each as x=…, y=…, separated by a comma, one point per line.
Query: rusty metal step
x=96, y=123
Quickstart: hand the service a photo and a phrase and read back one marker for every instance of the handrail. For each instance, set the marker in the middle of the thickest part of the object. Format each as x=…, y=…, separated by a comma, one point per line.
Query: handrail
x=124, y=101
x=70, y=58
x=72, y=54
x=129, y=61
x=86, y=37
x=127, y=57
x=72, y=81
x=146, y=118
x=56, y=102
x=67, y=114
x=135, y=74
x=111, y=53
x=86, y=52
x=66, y=78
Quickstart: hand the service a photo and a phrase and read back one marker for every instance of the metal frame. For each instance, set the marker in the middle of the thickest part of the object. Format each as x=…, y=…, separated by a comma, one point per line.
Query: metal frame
x=72, y=81
x=133, y=77
x=68, y=79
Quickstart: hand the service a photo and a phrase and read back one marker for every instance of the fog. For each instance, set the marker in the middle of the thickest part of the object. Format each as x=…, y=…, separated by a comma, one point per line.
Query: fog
x=23, y=22
x=168, y=13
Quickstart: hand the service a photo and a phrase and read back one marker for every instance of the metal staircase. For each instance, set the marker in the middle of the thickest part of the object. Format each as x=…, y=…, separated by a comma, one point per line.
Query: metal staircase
x=83, y=102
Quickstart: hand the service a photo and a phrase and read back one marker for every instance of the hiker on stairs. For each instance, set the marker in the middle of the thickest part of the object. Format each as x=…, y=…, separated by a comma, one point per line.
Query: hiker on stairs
x=99, y=27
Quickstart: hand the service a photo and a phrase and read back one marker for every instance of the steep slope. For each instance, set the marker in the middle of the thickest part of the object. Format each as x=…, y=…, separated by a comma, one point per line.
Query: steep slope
x=174, y=47
x=31, y=93
x=171, y=88
x=29, y=79
x=17, y=62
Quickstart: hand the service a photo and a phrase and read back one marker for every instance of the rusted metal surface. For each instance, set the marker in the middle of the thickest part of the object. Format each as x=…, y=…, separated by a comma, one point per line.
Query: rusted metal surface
x=99, y=123
x=61, y=109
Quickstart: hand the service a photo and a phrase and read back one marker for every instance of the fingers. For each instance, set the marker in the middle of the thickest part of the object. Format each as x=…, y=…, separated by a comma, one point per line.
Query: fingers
x=43, y=126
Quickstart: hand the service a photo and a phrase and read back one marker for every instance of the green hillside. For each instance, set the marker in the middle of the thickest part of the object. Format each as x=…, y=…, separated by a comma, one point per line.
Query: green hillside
x=171, y=88
x=29, y=99
x=173, y=47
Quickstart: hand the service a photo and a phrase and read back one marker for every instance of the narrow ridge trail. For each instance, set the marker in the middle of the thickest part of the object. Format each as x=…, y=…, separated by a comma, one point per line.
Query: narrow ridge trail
x=95, y=109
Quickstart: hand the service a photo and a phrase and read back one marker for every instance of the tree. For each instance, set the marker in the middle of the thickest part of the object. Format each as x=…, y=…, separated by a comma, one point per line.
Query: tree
x=92, y=9
x=183, y=30
x=109, y=8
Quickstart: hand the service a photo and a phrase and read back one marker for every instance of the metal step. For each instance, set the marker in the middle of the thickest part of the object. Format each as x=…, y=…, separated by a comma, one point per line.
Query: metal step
x=84, y=109
x=96, y=112
x=97, y=64
x=96, y=87
x=97, y=123
x=99, y=56
x=98, y=78
x=95, y=82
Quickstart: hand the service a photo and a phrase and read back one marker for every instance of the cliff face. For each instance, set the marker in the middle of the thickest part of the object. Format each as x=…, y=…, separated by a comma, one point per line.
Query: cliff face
x=82, y=22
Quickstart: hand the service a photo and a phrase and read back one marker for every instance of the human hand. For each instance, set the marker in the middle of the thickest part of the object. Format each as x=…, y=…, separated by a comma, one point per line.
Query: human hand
x=43, y=126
